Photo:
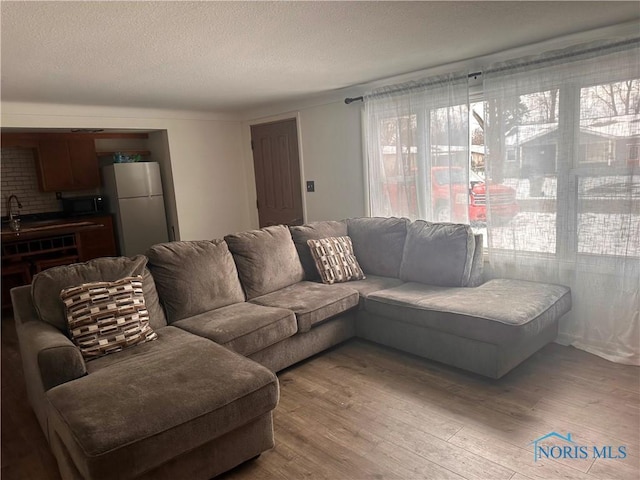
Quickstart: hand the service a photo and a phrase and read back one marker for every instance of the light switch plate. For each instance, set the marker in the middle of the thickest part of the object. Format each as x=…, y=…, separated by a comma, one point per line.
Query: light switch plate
x=311, y=186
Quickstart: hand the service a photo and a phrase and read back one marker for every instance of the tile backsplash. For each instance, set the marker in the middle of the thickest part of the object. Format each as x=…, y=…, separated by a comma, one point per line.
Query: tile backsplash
x=18, y=177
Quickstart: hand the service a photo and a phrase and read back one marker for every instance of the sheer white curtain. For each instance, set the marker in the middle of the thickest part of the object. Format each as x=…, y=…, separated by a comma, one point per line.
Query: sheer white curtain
x=417, y=141
x=563, y=130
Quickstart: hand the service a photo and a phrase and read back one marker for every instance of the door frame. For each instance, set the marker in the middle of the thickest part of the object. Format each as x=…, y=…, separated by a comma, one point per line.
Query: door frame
x=250, y=171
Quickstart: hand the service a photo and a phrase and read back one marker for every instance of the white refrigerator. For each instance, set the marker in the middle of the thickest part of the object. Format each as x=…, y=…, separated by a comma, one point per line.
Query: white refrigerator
x=134, y=194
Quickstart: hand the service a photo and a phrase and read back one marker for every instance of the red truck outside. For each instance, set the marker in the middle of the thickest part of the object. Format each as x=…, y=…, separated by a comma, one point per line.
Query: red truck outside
x=449, y=184
x=503, y=198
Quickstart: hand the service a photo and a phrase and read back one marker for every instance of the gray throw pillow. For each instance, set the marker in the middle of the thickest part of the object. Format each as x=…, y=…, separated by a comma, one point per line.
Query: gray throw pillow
x=267, y=260
x=438, y=254
x=193, y=277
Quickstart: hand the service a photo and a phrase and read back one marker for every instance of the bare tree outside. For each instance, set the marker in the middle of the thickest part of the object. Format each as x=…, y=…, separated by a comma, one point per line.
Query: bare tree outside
x=611, y=99
x=541, y=107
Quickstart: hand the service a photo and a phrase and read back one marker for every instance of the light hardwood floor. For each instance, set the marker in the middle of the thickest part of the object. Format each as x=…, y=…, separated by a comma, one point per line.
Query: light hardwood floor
x=364, y=411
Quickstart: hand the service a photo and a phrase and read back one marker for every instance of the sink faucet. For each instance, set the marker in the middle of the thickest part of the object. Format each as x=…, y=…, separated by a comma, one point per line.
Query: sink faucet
x=14, y=223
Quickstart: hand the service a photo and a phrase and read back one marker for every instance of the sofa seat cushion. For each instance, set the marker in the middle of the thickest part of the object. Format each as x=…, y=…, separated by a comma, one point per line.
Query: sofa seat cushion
x=311, y=302
x=245, y=328
x=171, y=396
x=373, y=283
x=497, y=312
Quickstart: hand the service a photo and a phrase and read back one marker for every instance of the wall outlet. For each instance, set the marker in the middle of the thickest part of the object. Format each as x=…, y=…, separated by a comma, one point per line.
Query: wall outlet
x=311, y=186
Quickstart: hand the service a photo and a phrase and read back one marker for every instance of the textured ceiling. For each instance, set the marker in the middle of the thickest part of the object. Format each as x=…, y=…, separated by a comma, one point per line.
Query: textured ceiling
x=231, y=56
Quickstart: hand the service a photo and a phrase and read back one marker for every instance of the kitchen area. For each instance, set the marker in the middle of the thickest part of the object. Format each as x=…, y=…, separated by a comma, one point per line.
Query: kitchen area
x=71, y=196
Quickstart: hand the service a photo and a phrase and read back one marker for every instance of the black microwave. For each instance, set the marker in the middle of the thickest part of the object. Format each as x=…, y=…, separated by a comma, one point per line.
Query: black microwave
x=76, y=206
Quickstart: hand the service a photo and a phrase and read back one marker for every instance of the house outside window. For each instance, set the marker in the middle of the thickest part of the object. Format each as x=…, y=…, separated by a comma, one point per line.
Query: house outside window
x=633, y=158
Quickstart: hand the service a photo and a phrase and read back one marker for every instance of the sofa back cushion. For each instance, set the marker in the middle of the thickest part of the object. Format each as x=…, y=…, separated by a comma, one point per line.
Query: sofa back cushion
x=314, y=231
x=438, y=254
x=47, y=285
x=193, y=277
x=266, y=259
x=378, y=243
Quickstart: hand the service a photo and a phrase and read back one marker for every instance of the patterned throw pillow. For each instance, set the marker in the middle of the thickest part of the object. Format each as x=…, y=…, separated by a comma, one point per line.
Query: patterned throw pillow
x=106, y=317
x=335, y=260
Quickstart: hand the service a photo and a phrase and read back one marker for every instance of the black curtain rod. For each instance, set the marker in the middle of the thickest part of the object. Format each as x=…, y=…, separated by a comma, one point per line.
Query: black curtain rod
x=561, y=55
x=360, y=99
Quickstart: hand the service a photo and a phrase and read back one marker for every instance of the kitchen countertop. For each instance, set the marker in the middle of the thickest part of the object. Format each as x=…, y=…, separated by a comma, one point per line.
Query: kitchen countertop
x=31, y=229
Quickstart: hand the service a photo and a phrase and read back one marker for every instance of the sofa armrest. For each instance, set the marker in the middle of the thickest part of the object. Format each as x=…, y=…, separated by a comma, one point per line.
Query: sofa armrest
x=48, y=355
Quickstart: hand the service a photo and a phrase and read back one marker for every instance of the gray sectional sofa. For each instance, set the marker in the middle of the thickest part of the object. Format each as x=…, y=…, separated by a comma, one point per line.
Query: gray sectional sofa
x=229, y=313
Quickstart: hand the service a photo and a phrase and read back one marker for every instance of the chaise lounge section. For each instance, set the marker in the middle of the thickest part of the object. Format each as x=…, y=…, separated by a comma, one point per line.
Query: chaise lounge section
x=177, y=406
x=425, y=294
x=228, y=313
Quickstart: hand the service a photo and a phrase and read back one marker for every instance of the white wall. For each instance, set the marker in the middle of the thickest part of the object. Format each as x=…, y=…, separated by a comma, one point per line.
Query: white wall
x=205, y=158
x=158, y=144
x=330, y=143
x=332, y=154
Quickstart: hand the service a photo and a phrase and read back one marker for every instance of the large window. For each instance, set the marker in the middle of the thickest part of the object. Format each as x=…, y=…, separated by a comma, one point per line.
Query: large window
x=608, y=206
x=418, y=151
x=538, y=146
x=544, y=162
x=569, y=117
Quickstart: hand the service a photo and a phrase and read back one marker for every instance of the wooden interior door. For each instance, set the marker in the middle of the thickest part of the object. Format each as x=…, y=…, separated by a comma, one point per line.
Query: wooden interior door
x=277, y=169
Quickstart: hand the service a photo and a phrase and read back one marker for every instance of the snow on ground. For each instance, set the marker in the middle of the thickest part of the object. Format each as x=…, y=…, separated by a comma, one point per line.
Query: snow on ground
x=610, y=186
x=527, y=231
x=598, y=233
x=609, y=234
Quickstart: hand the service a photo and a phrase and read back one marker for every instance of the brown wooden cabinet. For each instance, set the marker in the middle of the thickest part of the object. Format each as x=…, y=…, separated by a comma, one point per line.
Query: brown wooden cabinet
x=65, y=164
x=97, y=242
x=63, y=243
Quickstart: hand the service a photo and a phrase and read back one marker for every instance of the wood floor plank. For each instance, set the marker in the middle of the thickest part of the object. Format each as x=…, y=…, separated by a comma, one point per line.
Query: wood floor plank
x=403, y=429
x=600, y=373
x=627, y=469
x=620, y=426
x=518, y=459
x=379, y=401
x=367, y=431
x=519, y=476
x=352, y=449
x=519, y=424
